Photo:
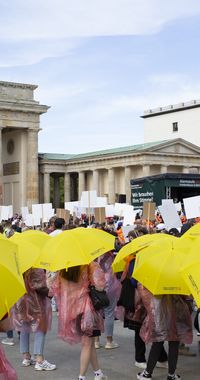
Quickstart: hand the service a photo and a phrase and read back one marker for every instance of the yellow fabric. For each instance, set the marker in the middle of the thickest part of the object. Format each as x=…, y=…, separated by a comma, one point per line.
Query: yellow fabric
x=74, y=247
x=27, y=251
x=191, y=270
x=36, y=237
x=157, y=267
x=11, y=280
x=136, y=245
x=192, y=234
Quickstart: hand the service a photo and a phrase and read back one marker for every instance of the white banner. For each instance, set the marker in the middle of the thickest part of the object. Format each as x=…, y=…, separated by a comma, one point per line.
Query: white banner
x=71, y=206
x=88, y=199
x=192, y=207
x=170, y=215
x=109, y=211
x=101, y=202
x=5, y=212
x=47, y=212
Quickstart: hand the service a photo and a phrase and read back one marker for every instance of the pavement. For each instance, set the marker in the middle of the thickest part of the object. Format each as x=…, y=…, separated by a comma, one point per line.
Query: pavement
x=117, y=364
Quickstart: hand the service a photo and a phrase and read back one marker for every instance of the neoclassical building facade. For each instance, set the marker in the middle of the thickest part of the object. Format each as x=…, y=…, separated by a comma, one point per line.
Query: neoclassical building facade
x=28, y=177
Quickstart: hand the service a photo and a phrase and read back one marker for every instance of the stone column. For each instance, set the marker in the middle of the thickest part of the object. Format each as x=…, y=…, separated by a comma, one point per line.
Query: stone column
x=46, y=196
x=56, y=191
x=111, y=185
x=32, y=191
x=67, y=183
x=146, y=170
x=163, y=169
x=1, y=169
x=127, y=178
x=96, y=181
x=81, y=184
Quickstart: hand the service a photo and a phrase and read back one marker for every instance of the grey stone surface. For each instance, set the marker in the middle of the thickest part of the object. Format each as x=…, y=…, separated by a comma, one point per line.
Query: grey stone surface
x=117, y=364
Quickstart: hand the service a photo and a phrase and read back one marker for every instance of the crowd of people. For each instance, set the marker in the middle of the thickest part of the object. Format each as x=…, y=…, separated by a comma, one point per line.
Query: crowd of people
x=154, y=319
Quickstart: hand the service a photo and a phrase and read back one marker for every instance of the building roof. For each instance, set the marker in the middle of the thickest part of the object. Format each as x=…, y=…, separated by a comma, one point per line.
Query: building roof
x=55, y=156
x=114, y=151
x=171, y=108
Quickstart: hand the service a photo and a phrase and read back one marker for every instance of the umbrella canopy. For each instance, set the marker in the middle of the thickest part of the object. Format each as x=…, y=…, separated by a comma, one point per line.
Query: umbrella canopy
x=36, y=237
x=74, y=247
x=192, y=233
x=136, y=245
x=28, y=252
x=11, y=281
x=157, y=267
x=190, y=270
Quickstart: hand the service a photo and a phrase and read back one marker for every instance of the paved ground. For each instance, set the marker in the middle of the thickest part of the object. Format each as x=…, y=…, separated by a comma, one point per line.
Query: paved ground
x=118, y=364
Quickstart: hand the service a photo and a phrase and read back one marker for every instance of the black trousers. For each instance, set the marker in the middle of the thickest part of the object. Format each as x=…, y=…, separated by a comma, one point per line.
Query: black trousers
x=140, y=350
x=155, y=352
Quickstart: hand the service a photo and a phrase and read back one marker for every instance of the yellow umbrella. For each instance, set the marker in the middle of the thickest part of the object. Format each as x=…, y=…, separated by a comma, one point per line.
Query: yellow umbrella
x=28, y=252
x=74, y=247
x=192, y=233
x=136, y=245
x=11, y=281
x=157, y=267
x=190, y=270
x=36, y=237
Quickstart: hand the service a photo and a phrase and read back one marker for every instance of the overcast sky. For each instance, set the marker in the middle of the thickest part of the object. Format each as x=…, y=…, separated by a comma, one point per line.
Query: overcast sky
x=99, y=64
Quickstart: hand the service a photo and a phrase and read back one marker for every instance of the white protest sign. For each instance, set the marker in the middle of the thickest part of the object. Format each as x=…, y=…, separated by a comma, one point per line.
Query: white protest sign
x=78, y=211
x=170, y=215
x=118, y=209
x=109, y=211
x=129, y=217
x=125, y=207
x=10, y=212
x=167, y=201
x=178, y=206
x=47, y=212
x=37, y=210
x=29, y=220
x=71, y=205
x=88, y=198
x=5, y=213
x=101, y=202
x=192, y=207
x=36, y=220
x=0, y=213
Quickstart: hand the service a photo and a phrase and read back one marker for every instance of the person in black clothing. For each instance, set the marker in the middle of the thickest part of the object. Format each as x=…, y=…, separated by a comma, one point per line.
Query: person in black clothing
x=135, y=311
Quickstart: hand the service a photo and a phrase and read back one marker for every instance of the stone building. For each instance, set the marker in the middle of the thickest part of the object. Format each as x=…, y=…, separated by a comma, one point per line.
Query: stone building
x=19, y=127
x=177, y=120
x=27, y=177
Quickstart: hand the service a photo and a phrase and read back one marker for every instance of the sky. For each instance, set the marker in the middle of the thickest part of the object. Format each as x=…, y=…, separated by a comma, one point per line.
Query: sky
x=99, y=64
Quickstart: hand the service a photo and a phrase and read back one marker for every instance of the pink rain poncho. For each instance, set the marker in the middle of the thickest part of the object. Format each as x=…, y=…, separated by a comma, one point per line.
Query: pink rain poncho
x=33, y=308
x=7, y=372
x=77, y=317
x=113, y=285
x=168, y=318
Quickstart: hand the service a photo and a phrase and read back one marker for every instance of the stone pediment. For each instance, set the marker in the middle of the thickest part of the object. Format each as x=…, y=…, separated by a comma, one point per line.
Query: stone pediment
x=177, y=146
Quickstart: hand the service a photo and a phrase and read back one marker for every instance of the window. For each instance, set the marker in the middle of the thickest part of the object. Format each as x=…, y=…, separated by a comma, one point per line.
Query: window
x=175, y=126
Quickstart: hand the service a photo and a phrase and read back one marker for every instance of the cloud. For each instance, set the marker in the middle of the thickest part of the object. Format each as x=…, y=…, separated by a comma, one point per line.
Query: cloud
x=35, y=19
x=23, y=53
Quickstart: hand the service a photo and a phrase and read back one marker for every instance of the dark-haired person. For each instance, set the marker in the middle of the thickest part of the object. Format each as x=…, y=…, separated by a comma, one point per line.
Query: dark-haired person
x=77, y=320
x=32, y=314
